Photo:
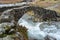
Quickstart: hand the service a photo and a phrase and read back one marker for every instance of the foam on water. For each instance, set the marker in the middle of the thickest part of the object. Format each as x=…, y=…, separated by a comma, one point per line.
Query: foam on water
x=39, y=30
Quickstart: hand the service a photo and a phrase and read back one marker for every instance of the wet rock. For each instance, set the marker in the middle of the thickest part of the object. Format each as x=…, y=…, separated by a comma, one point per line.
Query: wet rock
x=7, y=38
x=6, y=17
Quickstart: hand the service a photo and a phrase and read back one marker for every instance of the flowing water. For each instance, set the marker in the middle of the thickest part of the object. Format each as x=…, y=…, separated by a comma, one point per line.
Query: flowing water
x=39, y=30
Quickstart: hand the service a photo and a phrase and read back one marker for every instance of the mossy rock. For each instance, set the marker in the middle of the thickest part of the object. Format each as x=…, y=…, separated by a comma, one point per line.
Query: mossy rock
x=23, y=31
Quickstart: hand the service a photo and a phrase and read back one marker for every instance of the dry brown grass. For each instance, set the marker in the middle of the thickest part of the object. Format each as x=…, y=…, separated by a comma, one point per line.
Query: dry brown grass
x=9, y=1
x=44, y=3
